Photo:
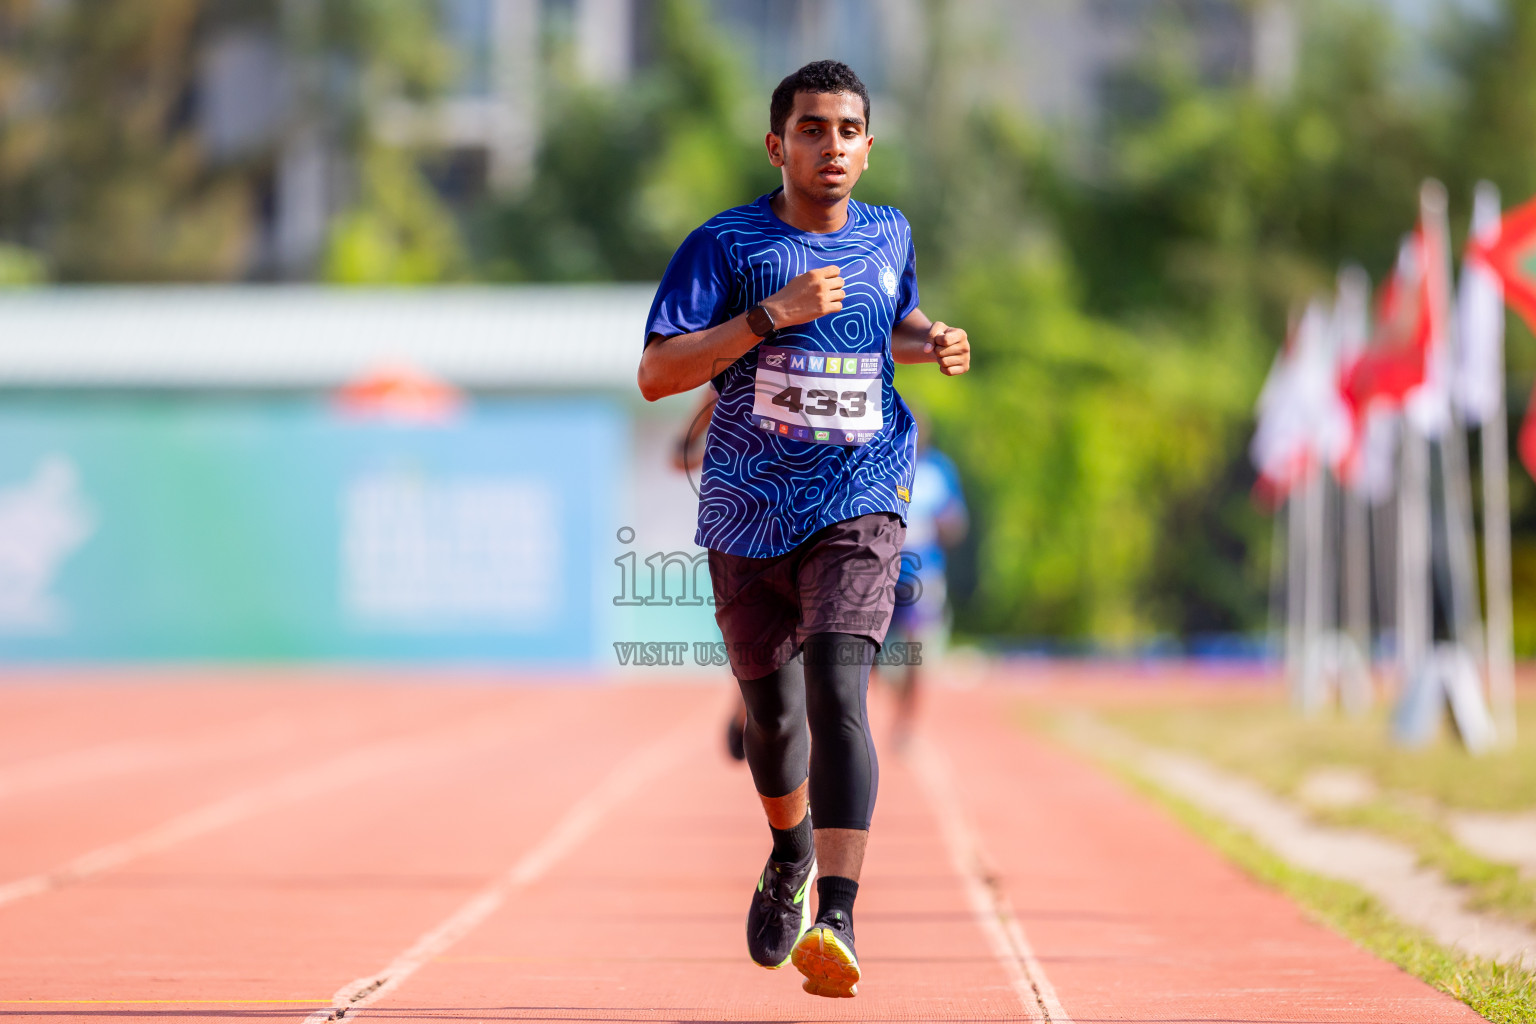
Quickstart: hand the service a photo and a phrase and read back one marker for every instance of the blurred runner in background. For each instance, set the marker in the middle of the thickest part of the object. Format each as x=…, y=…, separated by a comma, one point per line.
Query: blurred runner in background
x=937, y=519
x=687, y=457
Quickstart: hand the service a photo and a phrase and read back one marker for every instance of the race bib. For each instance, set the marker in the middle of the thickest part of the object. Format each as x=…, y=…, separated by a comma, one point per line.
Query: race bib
x=821, y=397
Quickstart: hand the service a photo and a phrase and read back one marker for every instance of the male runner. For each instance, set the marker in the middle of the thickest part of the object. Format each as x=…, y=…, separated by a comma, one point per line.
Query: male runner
x=795, y=307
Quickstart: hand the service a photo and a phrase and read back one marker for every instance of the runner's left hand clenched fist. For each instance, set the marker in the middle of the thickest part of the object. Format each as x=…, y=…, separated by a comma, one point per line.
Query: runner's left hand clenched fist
x=951, y=348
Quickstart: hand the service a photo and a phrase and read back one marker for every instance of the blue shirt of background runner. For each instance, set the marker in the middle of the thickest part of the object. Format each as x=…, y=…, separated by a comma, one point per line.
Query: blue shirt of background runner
x=936, y=495
x=762, y=494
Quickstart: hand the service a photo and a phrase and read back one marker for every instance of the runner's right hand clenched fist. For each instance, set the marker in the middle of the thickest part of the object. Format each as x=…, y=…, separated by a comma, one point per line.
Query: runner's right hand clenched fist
x=808, y=296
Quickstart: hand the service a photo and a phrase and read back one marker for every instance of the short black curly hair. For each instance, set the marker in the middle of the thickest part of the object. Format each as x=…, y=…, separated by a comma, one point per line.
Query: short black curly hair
x=818, y=76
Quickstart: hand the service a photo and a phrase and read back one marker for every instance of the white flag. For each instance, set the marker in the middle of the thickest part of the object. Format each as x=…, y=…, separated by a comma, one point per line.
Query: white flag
x=1480, y=304
x=1423, y=262
x=1303, y=419
x=1372, y=469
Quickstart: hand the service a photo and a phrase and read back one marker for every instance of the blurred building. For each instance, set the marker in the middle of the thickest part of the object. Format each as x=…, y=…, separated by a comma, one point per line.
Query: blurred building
x=1064, y=61
x=263, y=100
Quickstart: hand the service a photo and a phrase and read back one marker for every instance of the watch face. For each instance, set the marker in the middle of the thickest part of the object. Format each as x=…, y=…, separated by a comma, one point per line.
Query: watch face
x=760, y=322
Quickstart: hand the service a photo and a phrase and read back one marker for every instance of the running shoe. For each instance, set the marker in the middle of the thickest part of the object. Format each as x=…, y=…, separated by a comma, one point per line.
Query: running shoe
x=781, y=910
x=825, y=956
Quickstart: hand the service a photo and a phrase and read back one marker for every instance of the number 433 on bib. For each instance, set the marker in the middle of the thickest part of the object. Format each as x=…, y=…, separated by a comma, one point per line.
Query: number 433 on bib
x=820, y=397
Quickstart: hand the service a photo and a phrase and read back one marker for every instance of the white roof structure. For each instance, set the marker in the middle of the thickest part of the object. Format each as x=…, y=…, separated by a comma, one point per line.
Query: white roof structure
x=583, y=337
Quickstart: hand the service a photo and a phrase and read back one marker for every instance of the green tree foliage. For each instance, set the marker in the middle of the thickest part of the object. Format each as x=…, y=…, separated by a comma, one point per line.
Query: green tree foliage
x=399, y=230
x=104, y=175
x=99, y=166
x=1204, y=217
x=623, y=176
x=1126, y=285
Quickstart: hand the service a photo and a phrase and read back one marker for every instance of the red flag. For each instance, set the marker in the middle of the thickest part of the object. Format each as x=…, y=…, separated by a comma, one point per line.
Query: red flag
x=1395, y=364
x=1512, y=256
x=1367, y=466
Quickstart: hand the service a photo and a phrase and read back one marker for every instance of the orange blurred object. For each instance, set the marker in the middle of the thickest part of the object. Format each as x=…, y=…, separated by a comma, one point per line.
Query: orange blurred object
x=400, y=392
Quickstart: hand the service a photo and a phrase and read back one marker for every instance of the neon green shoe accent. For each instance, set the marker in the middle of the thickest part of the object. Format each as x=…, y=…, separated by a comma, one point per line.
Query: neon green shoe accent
x=805, y=916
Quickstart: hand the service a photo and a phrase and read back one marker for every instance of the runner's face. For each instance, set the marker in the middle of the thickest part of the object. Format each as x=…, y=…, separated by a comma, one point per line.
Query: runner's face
x=825, y=145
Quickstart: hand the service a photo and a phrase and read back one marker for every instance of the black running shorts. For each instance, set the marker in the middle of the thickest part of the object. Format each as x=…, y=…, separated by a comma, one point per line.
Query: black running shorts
x=841, y=579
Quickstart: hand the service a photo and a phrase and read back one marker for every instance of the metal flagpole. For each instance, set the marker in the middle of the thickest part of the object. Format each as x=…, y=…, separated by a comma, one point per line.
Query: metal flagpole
x=1316, y=582
x=1295, y=589
x=1279, y=555
x=1501, y=655
x=1384, y=524
x=1449, y=671
x=1352, y=329
x=1461, y=545
x=1415, y=614
x=1413, y=611
x=1460, y=542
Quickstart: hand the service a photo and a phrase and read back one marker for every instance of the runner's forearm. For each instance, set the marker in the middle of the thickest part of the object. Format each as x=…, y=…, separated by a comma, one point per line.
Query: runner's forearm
x=909, y=337
x=670, y=366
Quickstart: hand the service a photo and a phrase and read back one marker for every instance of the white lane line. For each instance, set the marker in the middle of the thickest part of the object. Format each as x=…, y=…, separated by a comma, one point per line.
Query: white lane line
x=338, y=772
x=122, y=757
x=569, y=832
x=989, y=903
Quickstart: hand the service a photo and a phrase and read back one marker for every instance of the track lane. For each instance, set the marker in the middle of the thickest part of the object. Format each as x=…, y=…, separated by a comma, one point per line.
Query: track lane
x=645, y=922
x=1129, y=917
x=240, y=737
x=1134, y=918
x=296, y=902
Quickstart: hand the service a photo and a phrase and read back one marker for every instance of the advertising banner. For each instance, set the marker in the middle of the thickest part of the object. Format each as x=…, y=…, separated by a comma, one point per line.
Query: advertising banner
x=141, y=528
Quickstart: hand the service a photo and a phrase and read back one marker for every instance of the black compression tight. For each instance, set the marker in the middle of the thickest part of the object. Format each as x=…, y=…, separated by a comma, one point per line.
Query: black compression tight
x=827, y=688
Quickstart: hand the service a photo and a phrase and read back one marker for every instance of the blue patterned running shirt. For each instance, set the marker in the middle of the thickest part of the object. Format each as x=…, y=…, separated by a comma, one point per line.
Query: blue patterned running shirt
x=770, y=478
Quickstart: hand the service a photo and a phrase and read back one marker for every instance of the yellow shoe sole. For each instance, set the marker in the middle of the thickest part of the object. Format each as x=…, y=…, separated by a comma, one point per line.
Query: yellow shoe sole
x=830, y=968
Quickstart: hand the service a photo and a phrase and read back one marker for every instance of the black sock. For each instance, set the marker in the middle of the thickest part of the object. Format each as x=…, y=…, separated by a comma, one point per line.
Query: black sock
x=793, y=844
x=836, y=893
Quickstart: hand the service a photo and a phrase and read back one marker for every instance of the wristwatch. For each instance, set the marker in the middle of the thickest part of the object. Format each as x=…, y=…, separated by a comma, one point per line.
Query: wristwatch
x=760, y=321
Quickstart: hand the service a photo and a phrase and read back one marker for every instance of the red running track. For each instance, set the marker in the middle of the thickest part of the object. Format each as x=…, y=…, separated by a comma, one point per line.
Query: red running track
x=255, y=849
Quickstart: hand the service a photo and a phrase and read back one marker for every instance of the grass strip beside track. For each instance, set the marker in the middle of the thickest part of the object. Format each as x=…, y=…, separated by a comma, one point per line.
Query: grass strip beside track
x=1503, y=994
x=1276, y=748
x=1490, y=886
x=1269, y=742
